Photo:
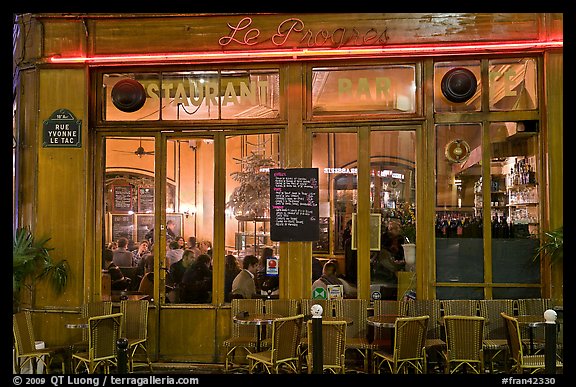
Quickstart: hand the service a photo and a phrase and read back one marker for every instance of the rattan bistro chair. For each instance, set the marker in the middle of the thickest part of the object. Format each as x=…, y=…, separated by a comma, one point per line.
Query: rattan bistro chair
x=25, y=345
x=91, y=309
x=243, y=336
x=533, y=363
x=533, y=307
x=286, y=332
x=464, y=336
x=435, y=345
x=409, y=346
x=460, y=307
x=333, y=346
x=282, y=307
x=495, y=342
x=135, y=328
x=103, y=332
x=357, y=332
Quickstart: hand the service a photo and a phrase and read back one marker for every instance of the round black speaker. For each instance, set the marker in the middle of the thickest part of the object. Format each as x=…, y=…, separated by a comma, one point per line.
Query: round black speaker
x=128, y=95
x=458, y=85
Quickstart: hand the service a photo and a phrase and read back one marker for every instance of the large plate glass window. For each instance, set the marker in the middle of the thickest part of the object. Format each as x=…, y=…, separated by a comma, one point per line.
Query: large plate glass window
x=384, y=89
x=336, y=157
x=514, y=207
x=459, y=230
x=192, y=95
x=249, y=159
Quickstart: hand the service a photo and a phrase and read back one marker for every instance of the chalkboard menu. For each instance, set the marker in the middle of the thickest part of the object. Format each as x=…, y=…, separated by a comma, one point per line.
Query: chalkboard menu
x=122, y=197
x=144, y=223
x=122, y=226
x=294, y=212
x=146, y=199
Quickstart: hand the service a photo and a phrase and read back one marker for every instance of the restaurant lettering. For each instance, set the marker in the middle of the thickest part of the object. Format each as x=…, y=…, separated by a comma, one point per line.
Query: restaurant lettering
x=293, y=30
x=196, y=92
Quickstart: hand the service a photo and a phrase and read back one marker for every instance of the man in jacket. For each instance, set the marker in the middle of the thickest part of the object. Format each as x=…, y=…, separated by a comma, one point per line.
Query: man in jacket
x=244, y=284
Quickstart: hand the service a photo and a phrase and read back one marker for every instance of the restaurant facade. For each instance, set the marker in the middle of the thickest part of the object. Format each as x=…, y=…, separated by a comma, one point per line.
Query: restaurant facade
x=449, y=126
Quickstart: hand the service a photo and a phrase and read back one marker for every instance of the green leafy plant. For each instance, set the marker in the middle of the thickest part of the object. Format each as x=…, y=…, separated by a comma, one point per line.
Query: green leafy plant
x=32, y=262
x=553, y=245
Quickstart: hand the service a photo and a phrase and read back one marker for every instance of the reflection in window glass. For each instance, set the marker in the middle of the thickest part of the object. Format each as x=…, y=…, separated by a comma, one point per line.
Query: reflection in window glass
x=514, y=202
x=513, y=84
x=393, y=197
x=248, y=162
x=336, y=157
x=130, y=102
x=457, y=86
x=459, y=246
x=250, y=94
x=189, y=220
x=385, y=89
x=192, y=95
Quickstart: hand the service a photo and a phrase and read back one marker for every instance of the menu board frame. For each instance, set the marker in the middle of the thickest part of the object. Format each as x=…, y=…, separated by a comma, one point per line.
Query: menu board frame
x=116, y=191
x=143, y=206
x=143, y=219
x=375, y=231
x=111, y=224
x=307, y=228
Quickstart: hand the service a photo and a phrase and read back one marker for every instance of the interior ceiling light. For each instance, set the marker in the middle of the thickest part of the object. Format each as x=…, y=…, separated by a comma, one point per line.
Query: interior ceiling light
x=318, y=53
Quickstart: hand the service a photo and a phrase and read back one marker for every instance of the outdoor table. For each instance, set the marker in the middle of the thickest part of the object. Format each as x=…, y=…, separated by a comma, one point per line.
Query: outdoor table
x=531, y=321
x=257, y=319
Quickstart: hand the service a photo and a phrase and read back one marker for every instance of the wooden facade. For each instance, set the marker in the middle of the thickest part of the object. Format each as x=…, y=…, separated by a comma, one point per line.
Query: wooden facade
x=57, y=190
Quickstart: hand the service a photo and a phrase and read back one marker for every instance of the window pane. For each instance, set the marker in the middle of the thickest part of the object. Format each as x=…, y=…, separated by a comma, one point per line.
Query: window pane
x=514, y=202
x=250, y=94
x=513, y=84
x=457, y=86
x=191, y=95
x=129, y=213
x=459, y=251
x=126, y=101
x=248, y=162
x=393, y=197
x=336, y=157
x=385, y=89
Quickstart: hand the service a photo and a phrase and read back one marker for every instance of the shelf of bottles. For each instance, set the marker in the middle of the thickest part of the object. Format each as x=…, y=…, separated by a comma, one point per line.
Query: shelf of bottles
x=514, y=201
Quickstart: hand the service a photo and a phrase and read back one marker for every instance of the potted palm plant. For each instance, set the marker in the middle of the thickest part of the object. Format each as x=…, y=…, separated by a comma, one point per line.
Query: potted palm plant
x=553, y=245
x=32, y=262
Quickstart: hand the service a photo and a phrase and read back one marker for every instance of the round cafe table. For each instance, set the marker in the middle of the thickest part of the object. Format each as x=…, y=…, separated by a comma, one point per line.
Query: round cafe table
x=257, y=319
x=383, y=321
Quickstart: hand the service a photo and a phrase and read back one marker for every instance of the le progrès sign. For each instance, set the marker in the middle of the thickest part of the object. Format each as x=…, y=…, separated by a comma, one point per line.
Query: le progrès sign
x=62, y=130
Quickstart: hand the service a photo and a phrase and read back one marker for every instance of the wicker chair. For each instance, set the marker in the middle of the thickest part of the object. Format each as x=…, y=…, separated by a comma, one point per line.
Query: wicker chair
x=286, y=332
x=409, y=346
x=103, y=332
x=357, y=332
x=533, y=307
x=387, y=307
x=495, y=342
x=333, y=346
x=434, y=344
x=25, y=346
x=243, y=336
x=464, y=335
x=135, y=328
x=460, y=307
x=533, y=363
x=91, y=309
x=285, y=308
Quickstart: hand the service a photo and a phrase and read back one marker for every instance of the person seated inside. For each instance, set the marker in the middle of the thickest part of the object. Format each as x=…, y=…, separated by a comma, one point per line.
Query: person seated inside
x=176, y=273
x=243, y=285
x=117, y=279
x=231, y=270
x=330, y=277
x=147, y=282
x=196, y=285
x=174, y=253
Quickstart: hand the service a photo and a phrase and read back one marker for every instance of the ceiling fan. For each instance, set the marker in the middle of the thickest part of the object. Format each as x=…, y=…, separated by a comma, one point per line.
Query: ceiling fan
x=139, y=151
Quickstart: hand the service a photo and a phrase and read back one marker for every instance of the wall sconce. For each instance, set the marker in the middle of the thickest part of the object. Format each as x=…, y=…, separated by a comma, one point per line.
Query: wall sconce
x=189, y=210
